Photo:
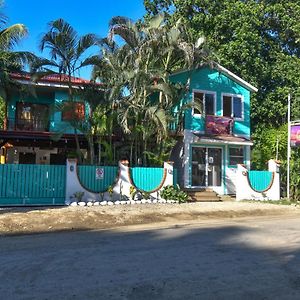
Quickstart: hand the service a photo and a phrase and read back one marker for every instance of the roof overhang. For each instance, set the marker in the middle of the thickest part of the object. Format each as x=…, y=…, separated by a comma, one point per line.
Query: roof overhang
x=228, y=73
x=242, y=82
x=226, y=140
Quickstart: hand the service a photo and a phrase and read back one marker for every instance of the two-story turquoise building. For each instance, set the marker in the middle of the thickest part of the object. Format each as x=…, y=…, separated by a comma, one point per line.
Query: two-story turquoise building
x=37, y=127
x=216, y=137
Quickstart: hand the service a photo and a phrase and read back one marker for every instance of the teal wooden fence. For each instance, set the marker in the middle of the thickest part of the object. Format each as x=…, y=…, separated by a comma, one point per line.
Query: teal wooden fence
x=32, y=184
x=260, y=180
x=147, y=179
x=106, y=176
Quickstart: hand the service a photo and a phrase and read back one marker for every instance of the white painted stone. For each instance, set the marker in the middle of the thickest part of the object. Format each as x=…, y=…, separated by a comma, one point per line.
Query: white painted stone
x=149, y=201
x=123, y=202
x=128, y=202
x=117, y=203
x=169, y=201
x=96, y=203
x=154, y=201
x=163, y=201
x=82, y=203
x=138, y=202
x=132, y=202
x=110, y=203
x=103, y=203
x=90, y=203
x=143, y=201
x=73, y=203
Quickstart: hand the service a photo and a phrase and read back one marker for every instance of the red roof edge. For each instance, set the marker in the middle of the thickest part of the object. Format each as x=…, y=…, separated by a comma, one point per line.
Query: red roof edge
x=53, y=78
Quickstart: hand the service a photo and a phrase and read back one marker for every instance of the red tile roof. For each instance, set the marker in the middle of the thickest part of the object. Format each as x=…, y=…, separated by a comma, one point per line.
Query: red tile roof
x=55, y=78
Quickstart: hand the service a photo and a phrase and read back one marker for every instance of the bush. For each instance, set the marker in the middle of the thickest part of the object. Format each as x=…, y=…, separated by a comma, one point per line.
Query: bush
x=171, y=192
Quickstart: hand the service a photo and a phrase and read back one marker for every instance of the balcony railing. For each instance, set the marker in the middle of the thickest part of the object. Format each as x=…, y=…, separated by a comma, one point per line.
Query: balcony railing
x=34, y=124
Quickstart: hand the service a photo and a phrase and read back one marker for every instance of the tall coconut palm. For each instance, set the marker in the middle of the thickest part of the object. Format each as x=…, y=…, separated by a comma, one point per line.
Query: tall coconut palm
x=10, y=60
x=68, y=54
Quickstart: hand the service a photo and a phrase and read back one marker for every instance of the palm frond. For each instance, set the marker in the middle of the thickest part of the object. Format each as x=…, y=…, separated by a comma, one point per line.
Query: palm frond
x=11, y=36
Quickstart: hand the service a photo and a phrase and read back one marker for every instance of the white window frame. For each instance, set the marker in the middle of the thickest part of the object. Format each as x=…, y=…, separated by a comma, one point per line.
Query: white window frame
x=233, y=96
x=204, y=92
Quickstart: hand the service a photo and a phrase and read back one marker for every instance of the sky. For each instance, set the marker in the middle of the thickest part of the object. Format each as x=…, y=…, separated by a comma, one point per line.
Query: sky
x=90, y=16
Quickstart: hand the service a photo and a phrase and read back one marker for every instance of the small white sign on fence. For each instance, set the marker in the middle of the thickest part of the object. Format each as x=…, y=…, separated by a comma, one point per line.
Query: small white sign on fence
x=99, y=173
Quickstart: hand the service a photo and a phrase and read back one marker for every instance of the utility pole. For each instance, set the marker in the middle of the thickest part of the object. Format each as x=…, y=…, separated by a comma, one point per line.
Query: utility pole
x=289, y=147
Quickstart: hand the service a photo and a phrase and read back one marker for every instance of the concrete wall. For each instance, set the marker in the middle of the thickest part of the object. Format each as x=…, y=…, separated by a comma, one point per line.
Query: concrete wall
x=245, y=192
x=123, y=183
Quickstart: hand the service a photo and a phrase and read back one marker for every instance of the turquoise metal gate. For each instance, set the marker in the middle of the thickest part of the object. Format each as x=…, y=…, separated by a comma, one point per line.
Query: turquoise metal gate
x=32, y=184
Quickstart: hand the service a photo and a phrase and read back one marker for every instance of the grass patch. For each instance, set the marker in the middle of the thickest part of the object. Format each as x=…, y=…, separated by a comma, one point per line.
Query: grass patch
x=283, y=201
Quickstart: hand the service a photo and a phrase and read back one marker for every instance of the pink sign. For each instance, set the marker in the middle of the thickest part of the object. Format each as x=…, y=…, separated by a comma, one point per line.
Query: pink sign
x=295, y=135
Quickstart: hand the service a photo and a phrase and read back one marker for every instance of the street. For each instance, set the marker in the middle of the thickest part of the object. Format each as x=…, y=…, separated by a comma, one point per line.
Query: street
x=243, y=258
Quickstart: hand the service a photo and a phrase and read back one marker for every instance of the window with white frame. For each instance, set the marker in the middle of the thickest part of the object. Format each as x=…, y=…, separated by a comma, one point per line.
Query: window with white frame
x=232, y=106
x=206, y=101
x=236, y=155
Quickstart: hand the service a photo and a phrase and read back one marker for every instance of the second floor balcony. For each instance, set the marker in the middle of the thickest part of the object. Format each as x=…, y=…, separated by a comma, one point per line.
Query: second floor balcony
x=29, y=124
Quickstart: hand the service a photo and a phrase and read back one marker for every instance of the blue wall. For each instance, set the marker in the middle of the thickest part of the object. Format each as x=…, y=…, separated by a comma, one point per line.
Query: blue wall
x=56, y=123
x=214, y=81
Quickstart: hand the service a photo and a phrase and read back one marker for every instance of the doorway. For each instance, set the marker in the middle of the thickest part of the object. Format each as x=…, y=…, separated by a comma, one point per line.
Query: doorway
x=206, y=166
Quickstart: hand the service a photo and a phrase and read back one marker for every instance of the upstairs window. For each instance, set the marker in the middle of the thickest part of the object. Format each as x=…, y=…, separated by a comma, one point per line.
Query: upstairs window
x=206, y=100
x=233, y=106
x=236, y=156
x=73, y=111
x=32, y=116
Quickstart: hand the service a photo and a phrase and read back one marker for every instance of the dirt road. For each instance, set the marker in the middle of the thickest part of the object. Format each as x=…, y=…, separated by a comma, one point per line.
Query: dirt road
x=40, y=220
x=257, y=258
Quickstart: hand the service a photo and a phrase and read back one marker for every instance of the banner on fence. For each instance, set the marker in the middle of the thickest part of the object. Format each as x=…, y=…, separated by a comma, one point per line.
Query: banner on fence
x=99, y=173
x=295, y=135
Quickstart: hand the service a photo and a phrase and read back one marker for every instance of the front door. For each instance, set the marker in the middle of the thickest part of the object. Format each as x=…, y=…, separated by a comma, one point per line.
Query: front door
x=206, y=166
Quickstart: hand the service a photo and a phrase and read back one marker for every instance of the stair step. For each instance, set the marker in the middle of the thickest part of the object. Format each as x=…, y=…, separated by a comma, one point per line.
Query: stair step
x=227, y=198
x=202, y=195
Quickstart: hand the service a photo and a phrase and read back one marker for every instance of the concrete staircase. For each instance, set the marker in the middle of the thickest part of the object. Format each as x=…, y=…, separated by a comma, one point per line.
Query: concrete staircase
x=202, y=195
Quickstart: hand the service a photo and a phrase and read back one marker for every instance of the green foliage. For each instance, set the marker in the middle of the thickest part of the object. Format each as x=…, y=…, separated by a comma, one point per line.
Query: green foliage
x=146, y=195
x=110, y=190
x=294, y=175
x=136, y=75
x=2, y=112
x=257, y=40
x=171, y=192
x=78, y=196
x=271, y=143
x=161, y=152
x=132, y=191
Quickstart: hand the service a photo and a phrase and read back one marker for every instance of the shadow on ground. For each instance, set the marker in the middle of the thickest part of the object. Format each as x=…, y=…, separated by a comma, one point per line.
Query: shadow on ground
x=243, y=261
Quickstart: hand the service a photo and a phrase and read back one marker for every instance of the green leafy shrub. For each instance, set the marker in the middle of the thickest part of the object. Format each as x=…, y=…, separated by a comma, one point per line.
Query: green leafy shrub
x=171, y=192
x=78, y=196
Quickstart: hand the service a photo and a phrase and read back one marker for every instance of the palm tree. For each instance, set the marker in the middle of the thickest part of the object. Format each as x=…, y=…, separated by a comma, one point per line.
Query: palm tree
x=141, y=67
x=11, y=61
x=67, y=52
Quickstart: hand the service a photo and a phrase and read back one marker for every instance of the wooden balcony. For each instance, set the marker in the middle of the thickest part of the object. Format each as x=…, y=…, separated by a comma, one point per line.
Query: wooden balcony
x=33, y=124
